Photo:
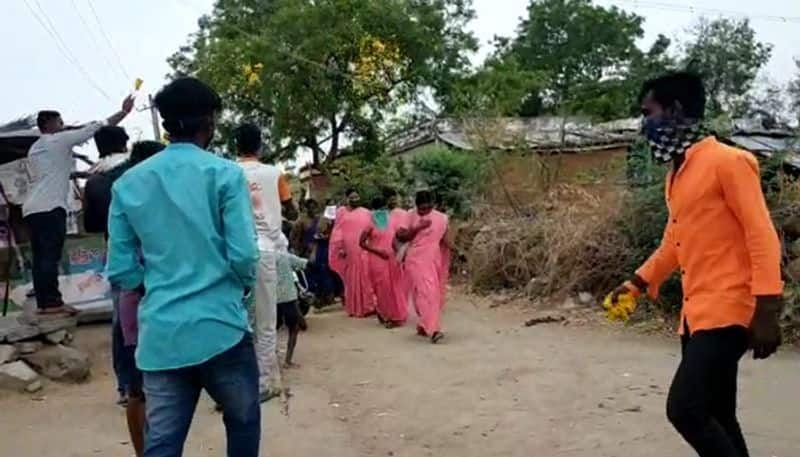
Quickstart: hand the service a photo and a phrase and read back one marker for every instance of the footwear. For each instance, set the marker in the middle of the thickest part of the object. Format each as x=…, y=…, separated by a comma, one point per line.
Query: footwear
x=437, y=337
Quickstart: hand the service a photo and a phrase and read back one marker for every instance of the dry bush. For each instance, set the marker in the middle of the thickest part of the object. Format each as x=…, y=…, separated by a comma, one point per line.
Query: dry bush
x=568, y=243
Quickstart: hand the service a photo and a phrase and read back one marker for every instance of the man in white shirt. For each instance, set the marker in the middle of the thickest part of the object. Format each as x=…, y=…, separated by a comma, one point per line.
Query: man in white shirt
x=270, y=196
x=45, y=207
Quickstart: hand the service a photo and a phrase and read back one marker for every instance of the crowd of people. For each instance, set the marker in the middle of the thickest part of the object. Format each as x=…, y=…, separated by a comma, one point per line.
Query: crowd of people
x=203, y=273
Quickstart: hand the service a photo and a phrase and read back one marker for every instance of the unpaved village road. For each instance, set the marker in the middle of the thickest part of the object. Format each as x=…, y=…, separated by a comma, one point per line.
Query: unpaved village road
x=494, y=388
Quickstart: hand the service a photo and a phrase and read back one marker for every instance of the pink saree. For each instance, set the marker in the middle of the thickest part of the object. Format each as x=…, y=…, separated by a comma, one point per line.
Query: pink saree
x=349, y=261
x=426, y=268
x=386, y=276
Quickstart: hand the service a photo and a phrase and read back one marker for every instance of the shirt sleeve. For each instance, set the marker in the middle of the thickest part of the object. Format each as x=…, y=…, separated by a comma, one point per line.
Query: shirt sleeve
x=741, y=186
x=662, y=263
x=240, y=234
x=123, y=267
x=74, y=137
x=284, y=192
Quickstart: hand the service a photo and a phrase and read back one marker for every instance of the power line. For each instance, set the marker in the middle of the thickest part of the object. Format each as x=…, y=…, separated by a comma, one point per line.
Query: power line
x=666, y=6
x=62, y=46
x=93, y=39
x=108, y=40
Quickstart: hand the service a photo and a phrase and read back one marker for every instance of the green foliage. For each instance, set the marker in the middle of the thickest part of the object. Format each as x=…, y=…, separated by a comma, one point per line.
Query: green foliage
x=369, y=176
x=727, y=55
x=320, y=72
x=453, y=176
x=575, y=45
x=501, y=87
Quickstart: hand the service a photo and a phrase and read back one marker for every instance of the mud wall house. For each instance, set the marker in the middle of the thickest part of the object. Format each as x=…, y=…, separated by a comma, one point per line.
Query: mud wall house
x=531, y=154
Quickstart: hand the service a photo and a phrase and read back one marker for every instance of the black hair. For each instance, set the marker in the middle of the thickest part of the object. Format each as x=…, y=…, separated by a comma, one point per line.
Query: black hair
x=187, y=106
x=46, y=116
x=424, y=197
x=248, y=138
x=143, y=150
x=110, y=139
x=378, y=202
x=682, y=87
x=389, y=192
x=310, y=201
x=349, y=191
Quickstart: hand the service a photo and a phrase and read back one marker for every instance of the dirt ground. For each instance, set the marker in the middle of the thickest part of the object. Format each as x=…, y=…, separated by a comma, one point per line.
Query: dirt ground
x=495, y=388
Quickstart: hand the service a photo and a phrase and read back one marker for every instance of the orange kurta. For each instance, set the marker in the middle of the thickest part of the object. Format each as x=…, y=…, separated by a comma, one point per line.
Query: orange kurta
x=720, y=235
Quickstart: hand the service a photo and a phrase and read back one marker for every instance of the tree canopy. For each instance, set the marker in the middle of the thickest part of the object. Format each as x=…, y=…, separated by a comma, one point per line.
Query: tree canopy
x=320, y=72
x=727, y=55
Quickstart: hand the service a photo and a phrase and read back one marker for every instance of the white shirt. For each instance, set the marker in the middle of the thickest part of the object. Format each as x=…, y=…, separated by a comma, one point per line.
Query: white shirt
x=263, y=182
x=50, y=163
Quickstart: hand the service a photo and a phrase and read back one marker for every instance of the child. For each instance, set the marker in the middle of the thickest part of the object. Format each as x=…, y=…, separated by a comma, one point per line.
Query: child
x=288, y=310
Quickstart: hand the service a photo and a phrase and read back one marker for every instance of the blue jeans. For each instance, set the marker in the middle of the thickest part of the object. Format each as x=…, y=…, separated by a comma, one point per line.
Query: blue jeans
x=230, y=378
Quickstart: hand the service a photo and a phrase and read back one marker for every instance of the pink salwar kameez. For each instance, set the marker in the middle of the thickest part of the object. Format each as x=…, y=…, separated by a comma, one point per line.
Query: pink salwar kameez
x=426, y=269
x=386, y=276
x=349, y=261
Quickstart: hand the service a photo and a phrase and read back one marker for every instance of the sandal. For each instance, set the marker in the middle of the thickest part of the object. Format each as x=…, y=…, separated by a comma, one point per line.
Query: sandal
x=437, y=337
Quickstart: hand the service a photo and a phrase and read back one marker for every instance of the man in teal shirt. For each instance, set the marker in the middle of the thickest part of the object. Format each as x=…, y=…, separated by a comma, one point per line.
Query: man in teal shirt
x=189, y=214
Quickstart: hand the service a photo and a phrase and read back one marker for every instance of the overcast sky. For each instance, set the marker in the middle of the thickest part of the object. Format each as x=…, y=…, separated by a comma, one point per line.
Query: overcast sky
x=36, y=75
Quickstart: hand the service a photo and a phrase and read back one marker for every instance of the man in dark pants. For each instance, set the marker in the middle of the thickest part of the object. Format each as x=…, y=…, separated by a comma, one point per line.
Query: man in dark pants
x=720, y=237
x=45, y=206
x=181, y=225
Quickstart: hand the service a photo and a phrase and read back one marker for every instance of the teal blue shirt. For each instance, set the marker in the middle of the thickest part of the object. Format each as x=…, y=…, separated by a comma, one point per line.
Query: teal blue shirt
x=190, y=213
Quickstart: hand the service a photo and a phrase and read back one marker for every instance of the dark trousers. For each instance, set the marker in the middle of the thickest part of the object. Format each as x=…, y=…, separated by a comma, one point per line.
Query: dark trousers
x=231, y=379
x=48, y=232
x=702, y=400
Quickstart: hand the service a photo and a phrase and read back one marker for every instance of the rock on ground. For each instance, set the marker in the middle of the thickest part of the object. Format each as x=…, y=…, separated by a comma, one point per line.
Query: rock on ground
x=61, y=363
x=8, y=353
x=28, y=347
x=56, y=337
x=17, y=376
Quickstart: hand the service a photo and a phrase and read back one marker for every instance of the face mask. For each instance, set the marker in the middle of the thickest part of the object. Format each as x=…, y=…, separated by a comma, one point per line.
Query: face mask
x=669, y=139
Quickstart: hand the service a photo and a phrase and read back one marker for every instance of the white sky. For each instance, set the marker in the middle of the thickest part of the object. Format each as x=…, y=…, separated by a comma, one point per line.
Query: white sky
x=35, y=75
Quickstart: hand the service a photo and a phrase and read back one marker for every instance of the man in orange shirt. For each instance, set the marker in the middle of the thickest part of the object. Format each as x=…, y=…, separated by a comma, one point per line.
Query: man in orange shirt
x=720, y=238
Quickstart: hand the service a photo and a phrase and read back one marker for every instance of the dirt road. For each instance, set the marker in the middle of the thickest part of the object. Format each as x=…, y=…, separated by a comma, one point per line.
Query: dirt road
x=494, y=388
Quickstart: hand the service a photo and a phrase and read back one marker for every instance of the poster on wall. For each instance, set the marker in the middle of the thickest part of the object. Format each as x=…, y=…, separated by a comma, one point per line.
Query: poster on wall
x=81, y=281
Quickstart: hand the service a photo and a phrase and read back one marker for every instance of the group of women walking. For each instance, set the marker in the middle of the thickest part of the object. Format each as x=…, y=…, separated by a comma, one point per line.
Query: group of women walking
x=391, y=260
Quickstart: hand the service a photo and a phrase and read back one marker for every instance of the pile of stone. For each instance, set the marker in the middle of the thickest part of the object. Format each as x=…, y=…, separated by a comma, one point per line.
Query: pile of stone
x=34, y=348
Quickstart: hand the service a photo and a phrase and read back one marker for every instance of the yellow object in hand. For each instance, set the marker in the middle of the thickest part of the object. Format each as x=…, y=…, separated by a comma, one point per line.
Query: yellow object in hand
x=137, y=83
x=622, y=309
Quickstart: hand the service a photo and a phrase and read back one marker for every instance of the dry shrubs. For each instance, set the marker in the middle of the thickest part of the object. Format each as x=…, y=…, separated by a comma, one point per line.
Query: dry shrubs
x=568, y=244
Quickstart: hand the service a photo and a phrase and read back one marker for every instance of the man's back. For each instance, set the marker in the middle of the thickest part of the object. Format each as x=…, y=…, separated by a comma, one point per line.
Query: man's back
x=50, y=163
x=189, y=211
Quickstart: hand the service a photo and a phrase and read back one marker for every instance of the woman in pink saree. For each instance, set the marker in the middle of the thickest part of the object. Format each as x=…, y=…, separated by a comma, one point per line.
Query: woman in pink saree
x=347, y=258
x=385, y=270
x=426, y=264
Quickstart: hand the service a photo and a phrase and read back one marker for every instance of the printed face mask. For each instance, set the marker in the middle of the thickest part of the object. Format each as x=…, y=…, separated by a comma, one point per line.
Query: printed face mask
x=669, y=139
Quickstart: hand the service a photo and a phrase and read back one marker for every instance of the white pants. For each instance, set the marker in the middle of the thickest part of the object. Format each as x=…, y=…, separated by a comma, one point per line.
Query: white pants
x=265, y=316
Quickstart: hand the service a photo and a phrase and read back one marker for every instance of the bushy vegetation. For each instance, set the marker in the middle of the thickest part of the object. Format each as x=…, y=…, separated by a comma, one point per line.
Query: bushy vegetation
x=454, y=176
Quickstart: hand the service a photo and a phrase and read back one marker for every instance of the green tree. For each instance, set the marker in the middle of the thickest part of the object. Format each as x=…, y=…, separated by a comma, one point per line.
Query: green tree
x=727, y=55
x=324, y=72
x=580, y=50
